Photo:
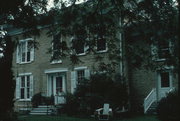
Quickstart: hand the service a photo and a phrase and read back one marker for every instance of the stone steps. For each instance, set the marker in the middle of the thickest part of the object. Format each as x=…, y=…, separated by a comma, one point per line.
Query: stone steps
x=43, y=110
x=153, y=108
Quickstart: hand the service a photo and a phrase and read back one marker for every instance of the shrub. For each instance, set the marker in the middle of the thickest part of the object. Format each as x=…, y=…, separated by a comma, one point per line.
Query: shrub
x=38, y=99
x=168, y=108
x=92, y=94
x=72, y=104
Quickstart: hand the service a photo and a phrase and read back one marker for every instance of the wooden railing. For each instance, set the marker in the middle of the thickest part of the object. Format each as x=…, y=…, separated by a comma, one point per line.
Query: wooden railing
x=150, y=99
x=171, y=90
x=59, y=99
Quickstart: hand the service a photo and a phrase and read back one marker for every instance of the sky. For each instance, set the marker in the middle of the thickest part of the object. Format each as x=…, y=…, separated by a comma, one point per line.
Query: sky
x=50, y=4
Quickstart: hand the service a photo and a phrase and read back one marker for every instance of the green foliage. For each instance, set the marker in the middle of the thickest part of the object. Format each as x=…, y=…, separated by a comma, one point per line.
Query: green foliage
x=169, y=107
x=86, y=23
x=71, y=106
x=38, y=99
x=154, y=23
x=92, y=94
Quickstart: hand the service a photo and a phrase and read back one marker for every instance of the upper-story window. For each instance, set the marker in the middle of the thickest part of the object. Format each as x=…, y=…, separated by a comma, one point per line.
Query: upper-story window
x=25, y=51
x=78, y=46
x=56, y=49
x=101, y=44
x=163, y=49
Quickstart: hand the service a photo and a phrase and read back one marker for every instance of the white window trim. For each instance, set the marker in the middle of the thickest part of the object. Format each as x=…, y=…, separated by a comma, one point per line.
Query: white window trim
x=81, y=54
x=170, y=79
x=85, y=48
x=80, y=68
x=55, y=70
x=54, y=75
x=74, y=76
x=85, y=71
x=162, y=59
x=55, y=61
x=19, y=58
x=101, y=51
x=25, y=74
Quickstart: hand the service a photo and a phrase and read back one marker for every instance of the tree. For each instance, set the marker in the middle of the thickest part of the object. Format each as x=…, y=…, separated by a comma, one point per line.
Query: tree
x=153, y=22
x=23, y=14
x=96, y=20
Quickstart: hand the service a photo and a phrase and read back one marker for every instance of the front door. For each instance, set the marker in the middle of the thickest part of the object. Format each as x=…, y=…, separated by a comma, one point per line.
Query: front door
x=164, y=83
x=56, y=84
x=56, y=87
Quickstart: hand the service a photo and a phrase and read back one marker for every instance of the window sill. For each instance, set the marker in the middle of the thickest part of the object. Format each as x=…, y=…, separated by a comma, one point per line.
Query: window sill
x=81, y=54
x=101, y=51
x=56, y=62
x=21, y=100
x=25, y=62
x=159, y=60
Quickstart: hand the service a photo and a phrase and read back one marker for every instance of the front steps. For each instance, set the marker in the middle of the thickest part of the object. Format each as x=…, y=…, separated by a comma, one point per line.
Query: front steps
x=152, y=109
x=43, y=110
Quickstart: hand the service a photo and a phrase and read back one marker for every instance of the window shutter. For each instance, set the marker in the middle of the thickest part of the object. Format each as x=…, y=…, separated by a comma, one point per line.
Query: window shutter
x=154, y=52
x=31, y=86
x=171, y=47
x=32, y=54
x=87, y=73
x=86, y=47
x=73, y=81
x=18, y=54
x=18, y=88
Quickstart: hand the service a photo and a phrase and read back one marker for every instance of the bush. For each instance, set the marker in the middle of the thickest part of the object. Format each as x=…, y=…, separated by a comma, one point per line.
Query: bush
x=168, y=108
x=92, y=94
x=72, y=104
x=38, y=99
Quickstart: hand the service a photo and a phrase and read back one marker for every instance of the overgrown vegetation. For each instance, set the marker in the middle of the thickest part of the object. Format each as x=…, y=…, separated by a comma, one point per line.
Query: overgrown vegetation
x=96, y=21
x=92, y=94
x=169, y=107
x=39, y=99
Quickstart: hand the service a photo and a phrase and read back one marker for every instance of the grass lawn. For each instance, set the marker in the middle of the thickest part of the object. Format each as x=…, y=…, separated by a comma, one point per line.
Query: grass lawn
x=66, y=118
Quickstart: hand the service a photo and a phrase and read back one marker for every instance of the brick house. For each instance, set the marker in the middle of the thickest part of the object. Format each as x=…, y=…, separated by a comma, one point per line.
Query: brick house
x=35, y=72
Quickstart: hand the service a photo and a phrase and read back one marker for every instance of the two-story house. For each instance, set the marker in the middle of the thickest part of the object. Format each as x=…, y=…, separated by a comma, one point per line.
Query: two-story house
x=38, y=70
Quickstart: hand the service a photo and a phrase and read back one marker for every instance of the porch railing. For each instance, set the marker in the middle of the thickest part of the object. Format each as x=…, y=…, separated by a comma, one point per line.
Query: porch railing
x=172, y=89
x=149, y=99
x=59, y=99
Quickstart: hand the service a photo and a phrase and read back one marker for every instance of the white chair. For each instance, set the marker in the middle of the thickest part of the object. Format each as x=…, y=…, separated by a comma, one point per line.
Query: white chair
x=104, y=113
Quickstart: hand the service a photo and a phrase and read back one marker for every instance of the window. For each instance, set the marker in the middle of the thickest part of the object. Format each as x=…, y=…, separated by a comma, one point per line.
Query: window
x=165, y=81
x=101, y=44
x=79, y=46
x=163, y=49
x=56, y=49
x=59, y=85
x=25, y=51
x=80, y=76
x=24, y=87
